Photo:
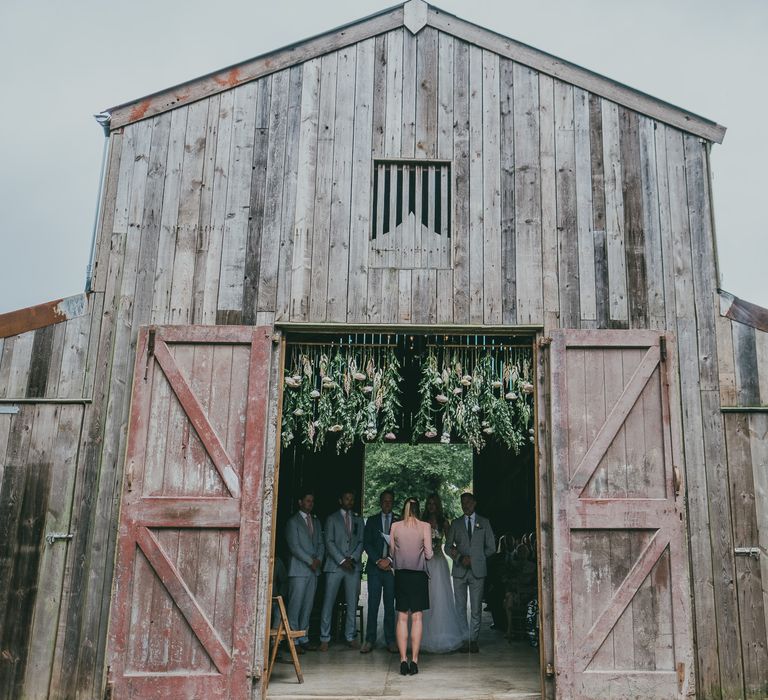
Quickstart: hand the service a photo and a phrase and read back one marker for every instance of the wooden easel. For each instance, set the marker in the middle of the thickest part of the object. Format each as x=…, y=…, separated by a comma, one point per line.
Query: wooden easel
x=284, y=631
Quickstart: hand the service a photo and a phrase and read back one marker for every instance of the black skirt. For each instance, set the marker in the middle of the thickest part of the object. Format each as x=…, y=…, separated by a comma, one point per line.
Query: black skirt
x=411, y=591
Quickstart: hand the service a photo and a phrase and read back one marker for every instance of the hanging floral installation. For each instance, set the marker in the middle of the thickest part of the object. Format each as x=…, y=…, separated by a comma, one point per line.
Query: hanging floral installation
x=351, y=392
x=469, y=394
x=472, y=394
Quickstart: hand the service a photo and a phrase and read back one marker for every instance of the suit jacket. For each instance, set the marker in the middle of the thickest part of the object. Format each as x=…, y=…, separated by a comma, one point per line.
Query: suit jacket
x=373, y=542
x=303, y=547
x=482, y=546
x=339, y=545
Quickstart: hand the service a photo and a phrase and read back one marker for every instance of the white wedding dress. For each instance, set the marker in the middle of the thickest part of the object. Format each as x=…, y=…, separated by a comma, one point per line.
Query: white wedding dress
x=442, y=627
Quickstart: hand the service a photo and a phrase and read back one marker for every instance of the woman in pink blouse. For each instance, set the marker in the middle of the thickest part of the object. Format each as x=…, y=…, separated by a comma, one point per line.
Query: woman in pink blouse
x=410, y=546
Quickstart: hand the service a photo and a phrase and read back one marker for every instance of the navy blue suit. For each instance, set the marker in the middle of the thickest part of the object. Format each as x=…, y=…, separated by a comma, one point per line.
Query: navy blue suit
x=379, y=581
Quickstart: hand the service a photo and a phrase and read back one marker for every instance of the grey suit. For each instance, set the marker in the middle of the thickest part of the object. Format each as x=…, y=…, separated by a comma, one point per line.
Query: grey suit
x=481, y=546
x=302, y=581
x=341, y=545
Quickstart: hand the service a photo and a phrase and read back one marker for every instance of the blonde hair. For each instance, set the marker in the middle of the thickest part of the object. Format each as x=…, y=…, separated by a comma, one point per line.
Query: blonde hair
x=411, y=511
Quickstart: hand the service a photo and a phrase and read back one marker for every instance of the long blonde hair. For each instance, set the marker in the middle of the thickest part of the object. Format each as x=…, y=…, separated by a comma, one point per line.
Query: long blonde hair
x=411, y=511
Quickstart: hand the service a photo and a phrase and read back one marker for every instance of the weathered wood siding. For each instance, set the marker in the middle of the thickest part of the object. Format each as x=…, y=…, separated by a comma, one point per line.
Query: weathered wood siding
x=743, y=368
x=253, y=206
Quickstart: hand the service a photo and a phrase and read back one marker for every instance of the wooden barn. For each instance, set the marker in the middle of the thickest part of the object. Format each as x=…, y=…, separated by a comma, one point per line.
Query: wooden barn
x=410, y=175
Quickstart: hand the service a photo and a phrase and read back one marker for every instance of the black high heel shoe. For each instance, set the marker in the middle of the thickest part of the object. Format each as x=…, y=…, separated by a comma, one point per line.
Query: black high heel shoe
x=413, y=670
x=403, y=668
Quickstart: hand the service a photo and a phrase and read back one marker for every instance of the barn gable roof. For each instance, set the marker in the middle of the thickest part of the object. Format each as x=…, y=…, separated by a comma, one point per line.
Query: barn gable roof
x=414, y=15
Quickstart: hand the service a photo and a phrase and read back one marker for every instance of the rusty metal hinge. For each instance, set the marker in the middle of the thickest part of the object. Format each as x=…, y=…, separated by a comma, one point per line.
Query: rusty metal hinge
x=550, y=671
x=753, y=552
x=545, y=342
x=108, y=686
x=680, y=676
x=150, y=351
x=663, y=348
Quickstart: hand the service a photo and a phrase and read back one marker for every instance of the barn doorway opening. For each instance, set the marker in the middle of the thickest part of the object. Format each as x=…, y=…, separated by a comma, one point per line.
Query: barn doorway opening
x=503, y=478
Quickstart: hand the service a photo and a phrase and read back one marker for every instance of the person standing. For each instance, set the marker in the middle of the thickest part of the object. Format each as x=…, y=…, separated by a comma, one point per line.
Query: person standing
x=305, y=542
x=469, y=542
x=411, y=546
x=380, y=575
x=344, y=548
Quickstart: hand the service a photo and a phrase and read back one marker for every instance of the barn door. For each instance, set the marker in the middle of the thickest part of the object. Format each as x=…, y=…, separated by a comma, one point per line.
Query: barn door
x=621, y=593
x=182, y=621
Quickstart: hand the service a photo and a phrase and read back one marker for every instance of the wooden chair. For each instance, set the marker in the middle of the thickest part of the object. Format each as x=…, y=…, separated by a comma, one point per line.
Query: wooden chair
x=282, y=632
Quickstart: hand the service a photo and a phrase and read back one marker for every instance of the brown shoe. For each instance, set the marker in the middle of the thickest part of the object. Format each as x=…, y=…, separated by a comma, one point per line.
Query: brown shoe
x=464, y=649
x=353, y=644
x=392, y=648
x=300, y=649
x=367, y=648
x=323, y=646
x=311, y=646
x=473, y=648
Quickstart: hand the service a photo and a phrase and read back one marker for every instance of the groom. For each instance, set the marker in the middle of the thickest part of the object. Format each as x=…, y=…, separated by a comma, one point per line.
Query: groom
x=380, y=575
x=344, y=547
x=469, y=541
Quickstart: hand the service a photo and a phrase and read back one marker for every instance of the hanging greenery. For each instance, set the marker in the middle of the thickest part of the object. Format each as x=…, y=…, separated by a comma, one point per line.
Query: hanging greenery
x=474, y=395
x=351, y=392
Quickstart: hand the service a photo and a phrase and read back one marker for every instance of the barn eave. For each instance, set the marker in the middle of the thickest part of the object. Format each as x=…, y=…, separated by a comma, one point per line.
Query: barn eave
x=414, y=15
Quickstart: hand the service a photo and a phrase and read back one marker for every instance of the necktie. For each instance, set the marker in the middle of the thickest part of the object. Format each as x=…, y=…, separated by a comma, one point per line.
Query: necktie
x=385, y=552
x=469, y=527
x=310, y=527
x=347, y=523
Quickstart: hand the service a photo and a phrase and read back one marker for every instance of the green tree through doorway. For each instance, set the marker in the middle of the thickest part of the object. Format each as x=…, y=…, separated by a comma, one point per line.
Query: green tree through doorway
x=417, y=470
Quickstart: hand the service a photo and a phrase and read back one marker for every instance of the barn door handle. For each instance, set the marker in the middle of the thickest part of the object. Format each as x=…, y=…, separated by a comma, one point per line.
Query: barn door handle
x=52, y=537
x=678, y=479
x=747, y=552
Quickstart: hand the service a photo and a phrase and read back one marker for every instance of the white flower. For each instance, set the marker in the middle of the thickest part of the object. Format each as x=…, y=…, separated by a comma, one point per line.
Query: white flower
x=532, y=439
x=390, y=436
x=329, y=384
x=315, y=394
x=359, y=376
x=527, y=388
x=510, y=396
x=296, y=378
x=488, y=430
x=298, y=412
x=530, y=431
x=430, y=434
x=445, y=438
x=457, y=390
x=367, y=389
x=335, y=428
x=496, y=384
x=466, y=380
x=441, y=398
x=475, y=409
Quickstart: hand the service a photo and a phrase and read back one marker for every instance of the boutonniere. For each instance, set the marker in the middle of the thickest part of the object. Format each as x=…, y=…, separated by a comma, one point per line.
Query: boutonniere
x=478, y=526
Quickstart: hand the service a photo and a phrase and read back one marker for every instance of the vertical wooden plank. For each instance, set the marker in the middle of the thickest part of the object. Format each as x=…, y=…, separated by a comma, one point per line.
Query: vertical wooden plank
x=725, y=361
x=390, y=294
x=665, y=225
x=204, y=237
x=634, y=237
x=747, y=369
x=761, y=349
x=359, y=232
x=445, y=151
x=73, y=362
x=188, y=217
x=224, y=125
x=548, y=187
x=5, y=364
x=508, y=232
x=651, y=224
x=404, y=297
x=583, y=174
x=265, y=141
x=476, y=186
x=696, y=476
x=21, y=359
x=426, y=93
x=424, y=296
x=54, y=368
x=752, y=612
x=151, y=223
x=301, y=265
x=5, y=432
x=284, y=268
x=394, y=95
x=321, y=225
x=614, y=214
x=568, y=235
x=96, y=309
x=492, y=286
x=410, y=68
x=341, y=191
x=461, y=183
x=42, y=348
x=45, y=628
x=230, y=301
x=166, y=245
x=599, y=242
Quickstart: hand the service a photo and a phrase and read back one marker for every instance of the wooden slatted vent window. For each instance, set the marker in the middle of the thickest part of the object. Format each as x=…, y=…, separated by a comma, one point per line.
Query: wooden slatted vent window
x=411, y=216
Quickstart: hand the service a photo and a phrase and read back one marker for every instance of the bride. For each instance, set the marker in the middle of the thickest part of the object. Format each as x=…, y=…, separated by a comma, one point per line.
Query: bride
x=442, y=628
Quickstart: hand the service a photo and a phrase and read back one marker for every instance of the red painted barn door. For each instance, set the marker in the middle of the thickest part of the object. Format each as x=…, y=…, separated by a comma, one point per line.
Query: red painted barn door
x=182, y=621
x=621, y=591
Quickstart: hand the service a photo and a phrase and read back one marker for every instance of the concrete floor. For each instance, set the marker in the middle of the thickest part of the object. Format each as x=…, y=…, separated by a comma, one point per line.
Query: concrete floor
x=500, y=671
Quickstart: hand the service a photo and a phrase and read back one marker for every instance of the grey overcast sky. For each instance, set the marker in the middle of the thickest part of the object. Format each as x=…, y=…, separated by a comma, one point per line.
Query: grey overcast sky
x=64, y=61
